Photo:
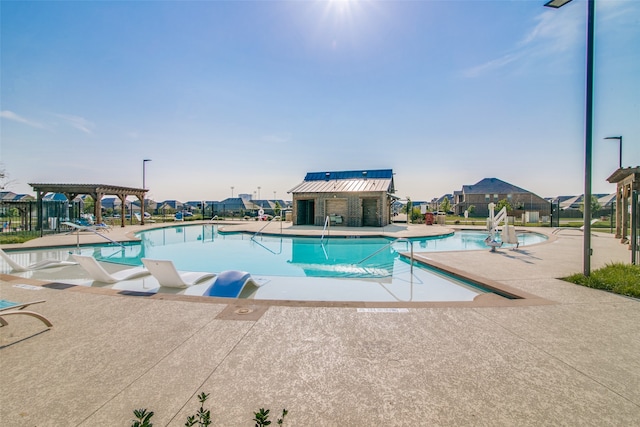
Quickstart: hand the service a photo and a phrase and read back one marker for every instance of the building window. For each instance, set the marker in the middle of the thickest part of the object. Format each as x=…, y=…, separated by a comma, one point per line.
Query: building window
x=495, y=197
x=487, y=197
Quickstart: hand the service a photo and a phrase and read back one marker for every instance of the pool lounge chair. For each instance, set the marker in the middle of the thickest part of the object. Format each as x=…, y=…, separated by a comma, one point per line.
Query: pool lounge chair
x=99, y=274
x=166, y=274
x=94, y=228
x=233, y=284
x=9, y=308
x=45, y=263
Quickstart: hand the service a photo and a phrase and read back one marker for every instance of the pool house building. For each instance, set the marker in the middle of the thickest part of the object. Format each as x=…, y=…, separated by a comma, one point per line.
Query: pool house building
x=361, y=198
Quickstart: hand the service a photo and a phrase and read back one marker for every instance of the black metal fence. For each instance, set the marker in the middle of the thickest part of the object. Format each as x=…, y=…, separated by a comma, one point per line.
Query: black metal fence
x=21, y=217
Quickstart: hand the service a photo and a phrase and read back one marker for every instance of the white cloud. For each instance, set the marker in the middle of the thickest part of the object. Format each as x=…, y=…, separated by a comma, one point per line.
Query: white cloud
x=555, y=32
x=77, y=122
x=10, y=115
x=491, y=65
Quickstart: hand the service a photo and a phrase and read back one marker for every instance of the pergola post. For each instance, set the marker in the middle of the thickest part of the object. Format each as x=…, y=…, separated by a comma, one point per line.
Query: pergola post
x=619, y=196
x=141, y=198
x=97, y=206
x=123, y=200
x=625, y=211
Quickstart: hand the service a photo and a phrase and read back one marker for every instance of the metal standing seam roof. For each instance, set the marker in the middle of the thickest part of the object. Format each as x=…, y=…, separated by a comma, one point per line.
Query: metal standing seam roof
x=343, y=186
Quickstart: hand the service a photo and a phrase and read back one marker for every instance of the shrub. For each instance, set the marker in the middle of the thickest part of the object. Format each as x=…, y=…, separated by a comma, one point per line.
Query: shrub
x=203, y=417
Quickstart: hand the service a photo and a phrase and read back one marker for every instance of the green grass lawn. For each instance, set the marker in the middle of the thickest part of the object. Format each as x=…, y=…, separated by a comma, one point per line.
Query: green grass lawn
x=623, y=279
x=19, y=237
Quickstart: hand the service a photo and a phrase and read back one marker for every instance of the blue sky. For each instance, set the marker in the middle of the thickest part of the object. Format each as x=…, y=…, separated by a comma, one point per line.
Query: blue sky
x=250, y=94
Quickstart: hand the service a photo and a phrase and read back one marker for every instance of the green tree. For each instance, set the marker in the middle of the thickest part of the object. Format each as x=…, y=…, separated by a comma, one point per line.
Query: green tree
x=409, y=208
x=471, y=209
x=89, y=203
x=595, y=206
x=416, y=215
x=445, y=205
x=277, y=208
x=501, y=204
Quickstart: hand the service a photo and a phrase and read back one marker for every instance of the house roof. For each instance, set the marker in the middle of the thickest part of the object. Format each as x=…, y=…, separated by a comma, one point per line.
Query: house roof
x=9, y=196
x=492, y=186
x=607, y=200
x=346, y=181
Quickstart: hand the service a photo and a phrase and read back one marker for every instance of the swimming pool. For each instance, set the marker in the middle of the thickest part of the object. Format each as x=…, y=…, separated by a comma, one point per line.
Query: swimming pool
x=303, y=268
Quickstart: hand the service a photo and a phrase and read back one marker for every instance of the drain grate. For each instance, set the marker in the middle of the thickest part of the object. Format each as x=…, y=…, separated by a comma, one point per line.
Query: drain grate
x=242, y=312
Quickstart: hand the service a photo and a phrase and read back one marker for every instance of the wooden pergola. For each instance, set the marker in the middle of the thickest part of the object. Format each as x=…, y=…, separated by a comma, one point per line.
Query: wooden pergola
x=96, y=191
x=627, y=182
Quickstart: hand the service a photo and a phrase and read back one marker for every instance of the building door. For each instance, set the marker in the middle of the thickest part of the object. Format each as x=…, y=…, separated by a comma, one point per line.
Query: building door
x=370, y=213
x=305, y=212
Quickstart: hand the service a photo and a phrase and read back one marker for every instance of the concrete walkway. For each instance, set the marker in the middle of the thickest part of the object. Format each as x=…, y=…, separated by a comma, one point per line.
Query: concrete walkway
x=571, y=361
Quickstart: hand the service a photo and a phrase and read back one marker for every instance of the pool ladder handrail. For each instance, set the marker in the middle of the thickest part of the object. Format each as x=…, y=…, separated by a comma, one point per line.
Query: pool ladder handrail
x=97, y=233
x=265, y=226
x=399, y=239
x=327, y=226
x=410, y=243
x=270, y=250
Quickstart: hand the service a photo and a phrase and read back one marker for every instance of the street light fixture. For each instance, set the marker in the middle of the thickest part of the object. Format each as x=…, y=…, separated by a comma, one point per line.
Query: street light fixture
x=588, y=134
x=557, y=3
x=619, y=138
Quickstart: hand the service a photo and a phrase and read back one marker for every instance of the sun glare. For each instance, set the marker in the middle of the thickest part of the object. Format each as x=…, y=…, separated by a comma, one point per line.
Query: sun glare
x=342, y=7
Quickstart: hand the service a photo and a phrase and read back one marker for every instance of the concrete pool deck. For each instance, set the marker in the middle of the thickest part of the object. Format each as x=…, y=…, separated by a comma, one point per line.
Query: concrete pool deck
x=570, y=361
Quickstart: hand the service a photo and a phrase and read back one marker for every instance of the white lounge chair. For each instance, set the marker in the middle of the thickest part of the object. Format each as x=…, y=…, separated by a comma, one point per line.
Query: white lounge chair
x=166, y=274
x=94, y=228
x=99, y=274
x=8, y=308
x=233, y=284
x=45, y=263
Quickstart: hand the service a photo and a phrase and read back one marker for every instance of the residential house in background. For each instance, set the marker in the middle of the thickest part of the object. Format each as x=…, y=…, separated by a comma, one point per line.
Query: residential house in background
x=169, y=207
x=235, y=206
x=434, y=204
x=571, y=206
x=492, y=190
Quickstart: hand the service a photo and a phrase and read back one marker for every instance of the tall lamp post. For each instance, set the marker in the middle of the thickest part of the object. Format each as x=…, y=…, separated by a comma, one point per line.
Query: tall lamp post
x=588, y=134
x=144, y=173
x=144, y=187
x=619, y=138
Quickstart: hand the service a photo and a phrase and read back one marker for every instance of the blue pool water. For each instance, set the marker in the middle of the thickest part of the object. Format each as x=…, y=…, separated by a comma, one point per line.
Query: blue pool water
x=289, y=268
x=203, y=248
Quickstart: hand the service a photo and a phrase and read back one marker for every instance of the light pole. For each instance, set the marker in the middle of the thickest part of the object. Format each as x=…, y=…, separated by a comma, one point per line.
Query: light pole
x=144, y=173
x=232, y=191
x=588, y=134
x=619, y=138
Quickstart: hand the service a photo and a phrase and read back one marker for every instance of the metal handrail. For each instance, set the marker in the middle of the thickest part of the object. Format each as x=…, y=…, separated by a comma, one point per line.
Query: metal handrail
x=270, y=250
x=265, y=226
x=78, y=229
x=388, y=245
x=327, y=226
